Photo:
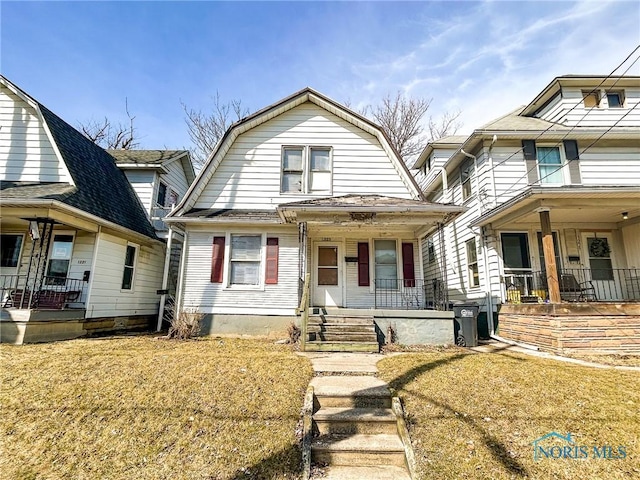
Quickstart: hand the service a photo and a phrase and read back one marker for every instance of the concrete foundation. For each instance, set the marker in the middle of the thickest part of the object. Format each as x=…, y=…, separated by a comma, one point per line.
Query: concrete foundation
x=273, y=326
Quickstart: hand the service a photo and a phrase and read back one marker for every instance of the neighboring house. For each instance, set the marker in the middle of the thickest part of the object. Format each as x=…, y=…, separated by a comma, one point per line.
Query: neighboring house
x=303, y=186
x=553, y=197
x=160, y=178
x=79, y=253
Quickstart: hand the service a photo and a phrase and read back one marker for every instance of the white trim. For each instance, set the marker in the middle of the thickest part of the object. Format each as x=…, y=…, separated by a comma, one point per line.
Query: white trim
x=226, y=275
x=92, y=274
x=134, y=266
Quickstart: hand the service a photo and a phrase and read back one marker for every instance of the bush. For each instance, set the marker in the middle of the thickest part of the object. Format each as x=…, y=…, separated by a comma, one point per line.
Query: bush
x=294, y=333
x=186, y=325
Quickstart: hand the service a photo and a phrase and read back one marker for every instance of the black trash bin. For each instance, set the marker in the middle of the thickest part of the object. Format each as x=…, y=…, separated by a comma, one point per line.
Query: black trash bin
x=466, y=324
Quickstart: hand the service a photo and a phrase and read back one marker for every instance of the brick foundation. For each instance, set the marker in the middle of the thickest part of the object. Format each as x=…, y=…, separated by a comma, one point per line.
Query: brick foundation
x=580, y=327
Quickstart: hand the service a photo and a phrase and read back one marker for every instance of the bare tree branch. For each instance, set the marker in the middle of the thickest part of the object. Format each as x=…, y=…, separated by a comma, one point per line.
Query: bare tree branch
x=206, y=129
x=448, y=124
x=111, y=136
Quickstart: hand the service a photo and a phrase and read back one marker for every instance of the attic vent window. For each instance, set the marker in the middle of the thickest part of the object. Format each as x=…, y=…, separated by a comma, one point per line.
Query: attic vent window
x=590, y=99
x=306, y=169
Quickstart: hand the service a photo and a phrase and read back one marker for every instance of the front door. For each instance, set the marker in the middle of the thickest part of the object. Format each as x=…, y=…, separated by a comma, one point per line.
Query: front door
x=598, y=250
x=327, y=291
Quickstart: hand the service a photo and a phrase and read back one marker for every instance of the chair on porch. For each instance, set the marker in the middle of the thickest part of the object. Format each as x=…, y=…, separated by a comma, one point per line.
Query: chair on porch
x=573, y=291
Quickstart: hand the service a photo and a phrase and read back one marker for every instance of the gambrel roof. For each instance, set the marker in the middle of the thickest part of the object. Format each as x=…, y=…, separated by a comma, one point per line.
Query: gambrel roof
x=272, y=111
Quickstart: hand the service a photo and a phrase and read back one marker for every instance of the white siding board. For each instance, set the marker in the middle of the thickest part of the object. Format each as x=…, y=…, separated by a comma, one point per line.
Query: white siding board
x=26, y=153
x=357, y=158
x=142, y=183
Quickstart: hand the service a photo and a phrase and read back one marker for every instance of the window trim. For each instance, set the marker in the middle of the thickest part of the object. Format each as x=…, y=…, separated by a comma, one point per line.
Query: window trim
x=166, y=191
x=306, y=169
x=563, y=164
x=470, y=275
x=133, y=267
x=226, y=276
x=621, y=98
x=18, y=260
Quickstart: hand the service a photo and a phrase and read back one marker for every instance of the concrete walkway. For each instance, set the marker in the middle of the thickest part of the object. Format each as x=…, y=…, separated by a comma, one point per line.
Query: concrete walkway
x=494, y=346
x=343, y=363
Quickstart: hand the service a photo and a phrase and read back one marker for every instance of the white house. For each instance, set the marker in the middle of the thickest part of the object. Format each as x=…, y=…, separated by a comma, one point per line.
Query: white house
x=561, y=176
x=78, y=251
x=302, y=186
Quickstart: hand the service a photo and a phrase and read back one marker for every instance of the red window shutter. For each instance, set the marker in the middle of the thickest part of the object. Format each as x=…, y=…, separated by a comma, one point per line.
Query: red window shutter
x=408, y=268
x=363, y=264
x=271, y=275
x=217, y=261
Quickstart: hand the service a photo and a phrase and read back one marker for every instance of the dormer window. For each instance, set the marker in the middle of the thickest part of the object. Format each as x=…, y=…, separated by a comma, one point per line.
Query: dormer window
x=161, y=196
x=615, y=99
x=466, y=172
x=591, y=99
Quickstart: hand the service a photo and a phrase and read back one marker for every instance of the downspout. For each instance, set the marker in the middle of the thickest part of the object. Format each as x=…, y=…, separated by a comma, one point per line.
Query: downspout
x=487, y=278
x=183, y=261
x=165, y=279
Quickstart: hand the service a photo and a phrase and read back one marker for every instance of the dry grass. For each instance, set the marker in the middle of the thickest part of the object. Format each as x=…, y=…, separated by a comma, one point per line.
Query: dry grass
x=620, y=360
x=143, y=408
x=474, y=416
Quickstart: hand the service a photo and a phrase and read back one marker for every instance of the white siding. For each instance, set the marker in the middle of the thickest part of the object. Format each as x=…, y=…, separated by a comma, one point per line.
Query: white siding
x=199, y=293
x=142, y=183
x=249, y=175
x=610, y=166
x=26, y=153
x=107, y=297
x=176, y=179
x=631, y=236
x=570, y=110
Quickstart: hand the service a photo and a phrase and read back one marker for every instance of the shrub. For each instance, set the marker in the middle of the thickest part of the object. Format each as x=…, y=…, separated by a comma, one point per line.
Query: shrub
x=186, y=325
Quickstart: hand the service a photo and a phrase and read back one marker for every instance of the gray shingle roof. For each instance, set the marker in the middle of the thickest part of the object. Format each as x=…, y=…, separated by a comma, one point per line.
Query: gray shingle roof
x=145, y=157
x=515, y=121
x=102, y=189
x=235, y=215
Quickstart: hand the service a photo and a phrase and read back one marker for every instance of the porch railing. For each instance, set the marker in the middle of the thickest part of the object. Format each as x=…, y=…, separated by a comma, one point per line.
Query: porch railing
x=576, y=285
x=411, y=294
x=54, y=293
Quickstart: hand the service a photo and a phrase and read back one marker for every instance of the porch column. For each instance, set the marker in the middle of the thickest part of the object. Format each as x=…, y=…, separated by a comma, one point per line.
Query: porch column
x=549, y=256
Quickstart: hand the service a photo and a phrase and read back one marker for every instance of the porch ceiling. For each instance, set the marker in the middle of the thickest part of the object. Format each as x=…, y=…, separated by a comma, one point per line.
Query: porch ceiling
x=568, y=205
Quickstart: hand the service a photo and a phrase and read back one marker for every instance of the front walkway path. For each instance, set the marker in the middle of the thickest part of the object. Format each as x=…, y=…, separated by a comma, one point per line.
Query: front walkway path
x=343, y=363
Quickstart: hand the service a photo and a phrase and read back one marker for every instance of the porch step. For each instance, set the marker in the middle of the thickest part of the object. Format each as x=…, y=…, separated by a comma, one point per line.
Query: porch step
x=338, y=391
x=341, y=327
x=346, y=420
x=358, y=450
x=369, y=472
x=341, y=319
x=367, y=337
x=322, y=346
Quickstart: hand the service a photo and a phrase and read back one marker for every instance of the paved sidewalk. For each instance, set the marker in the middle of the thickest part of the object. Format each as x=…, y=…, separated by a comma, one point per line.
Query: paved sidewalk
x=326, y=363
x=494, y=346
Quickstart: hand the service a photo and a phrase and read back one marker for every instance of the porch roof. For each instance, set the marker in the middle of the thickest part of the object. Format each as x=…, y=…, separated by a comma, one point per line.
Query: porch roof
x=369, y=209
x=228, y=216
x=568, y=204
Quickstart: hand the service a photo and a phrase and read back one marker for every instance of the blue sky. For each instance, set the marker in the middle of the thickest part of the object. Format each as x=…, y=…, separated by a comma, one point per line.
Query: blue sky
x=81, y=59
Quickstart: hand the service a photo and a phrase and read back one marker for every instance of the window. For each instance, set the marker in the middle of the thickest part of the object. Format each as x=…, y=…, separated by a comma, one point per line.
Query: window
x=161, y=197
x=386, y=263
x=245, y=259
x=129, y=268
x=59, y=260
x=431, y=251
x=550, y=165
x=306, y=170
x=472, y=263
x=10, y=250
x=615, y=99
x=590, y=99
x=173, y=198
x=466, y=172
x=515, y=251
x=327, y=265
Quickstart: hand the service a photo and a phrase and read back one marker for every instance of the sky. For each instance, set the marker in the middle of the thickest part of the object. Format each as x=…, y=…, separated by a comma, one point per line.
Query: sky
x=486, y=58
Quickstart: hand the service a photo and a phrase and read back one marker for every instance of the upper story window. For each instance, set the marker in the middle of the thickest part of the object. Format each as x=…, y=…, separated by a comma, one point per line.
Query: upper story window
x=550, y=165
x=466, y=173
x=306, y=169
x=161, y=196
x=591, y=99
x=615, y=99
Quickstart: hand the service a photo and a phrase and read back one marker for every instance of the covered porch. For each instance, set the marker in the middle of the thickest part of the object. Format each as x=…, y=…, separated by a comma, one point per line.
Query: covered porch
x=569, y=256
x=361, y=261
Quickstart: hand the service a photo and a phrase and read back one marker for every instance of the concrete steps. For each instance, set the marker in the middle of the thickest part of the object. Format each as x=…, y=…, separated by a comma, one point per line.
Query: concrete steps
x=356, y=432
x=341, y=333
x=386, y=472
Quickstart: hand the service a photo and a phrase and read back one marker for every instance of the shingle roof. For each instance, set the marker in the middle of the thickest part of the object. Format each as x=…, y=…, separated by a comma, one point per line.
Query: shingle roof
x=30, y=190
x=234, y=215
x=356, y=200
x=450, y=139
x=515, y=121
x=145, y=157
x=101, y=187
